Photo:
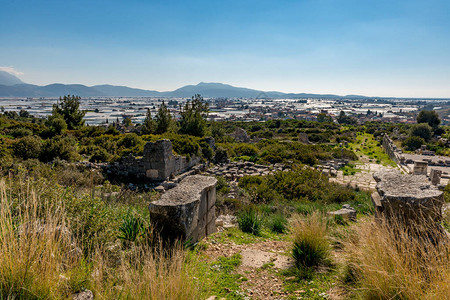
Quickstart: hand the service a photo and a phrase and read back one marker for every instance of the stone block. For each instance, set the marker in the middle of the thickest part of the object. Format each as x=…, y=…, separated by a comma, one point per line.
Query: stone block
x=420, y=168
x=182, y=212
x=435, y=176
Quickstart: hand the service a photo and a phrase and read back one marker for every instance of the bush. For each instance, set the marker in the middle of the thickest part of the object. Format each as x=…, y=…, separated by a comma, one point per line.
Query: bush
x=413, y=142
x=249, y=221
x=28, y=147
x=311, y=247
x=422, y=130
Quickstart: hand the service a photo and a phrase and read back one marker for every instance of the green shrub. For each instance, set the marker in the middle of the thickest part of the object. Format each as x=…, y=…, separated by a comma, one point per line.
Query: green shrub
x=28, y=147
x=249, y=221
x=413, y=142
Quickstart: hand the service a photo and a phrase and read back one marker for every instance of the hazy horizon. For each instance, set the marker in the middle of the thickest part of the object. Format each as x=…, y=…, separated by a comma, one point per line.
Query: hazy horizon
x=398, y=49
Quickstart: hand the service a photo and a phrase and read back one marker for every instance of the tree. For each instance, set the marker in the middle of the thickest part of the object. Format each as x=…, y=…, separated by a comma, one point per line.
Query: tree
x=413, y=142
x=163, y=119
x=344, y=119
x=324, y=118
x=69, y=108
x=429, y=116
x=56, y=123
x=149, y=124
x=422, y=130
x=193, y=116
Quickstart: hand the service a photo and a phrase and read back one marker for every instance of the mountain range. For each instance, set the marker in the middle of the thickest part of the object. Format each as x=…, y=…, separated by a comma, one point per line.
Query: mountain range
x=11, y=86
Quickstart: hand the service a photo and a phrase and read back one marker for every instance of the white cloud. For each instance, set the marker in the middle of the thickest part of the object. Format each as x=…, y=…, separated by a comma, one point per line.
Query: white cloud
x=11, y=70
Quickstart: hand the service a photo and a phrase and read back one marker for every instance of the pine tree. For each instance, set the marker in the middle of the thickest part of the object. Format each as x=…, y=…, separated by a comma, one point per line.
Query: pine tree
x=163, y=119
x=149, y=125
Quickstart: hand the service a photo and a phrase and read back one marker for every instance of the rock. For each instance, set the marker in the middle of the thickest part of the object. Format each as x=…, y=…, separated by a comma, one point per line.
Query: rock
x=240, y=135
x=188, y=210
x=85, y=295
x=346, y=212
x=410, y=200
x=226, y=221
x=160, y=189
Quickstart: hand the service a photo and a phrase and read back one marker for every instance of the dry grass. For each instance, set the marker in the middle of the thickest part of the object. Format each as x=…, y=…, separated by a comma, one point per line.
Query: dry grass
x=146, y=273
x=35, y=249
x=39, y=258
x=387, y=262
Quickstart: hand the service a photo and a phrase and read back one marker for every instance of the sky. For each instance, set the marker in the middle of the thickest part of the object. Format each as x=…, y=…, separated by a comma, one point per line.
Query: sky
x=366, y=47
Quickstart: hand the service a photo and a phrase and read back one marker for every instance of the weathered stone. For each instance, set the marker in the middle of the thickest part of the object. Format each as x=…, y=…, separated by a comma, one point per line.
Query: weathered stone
x=346, y=212
x=410, y=200
x=158, y=162
x=187, y=210
x=240, y=135
x=435, y=176
x=160, y=189
x=303, y=138
x=420, y=168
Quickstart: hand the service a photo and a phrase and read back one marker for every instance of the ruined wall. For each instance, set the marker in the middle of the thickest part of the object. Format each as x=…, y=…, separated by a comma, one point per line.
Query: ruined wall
x=186, y=211
x=157, y=163
x=392, y=150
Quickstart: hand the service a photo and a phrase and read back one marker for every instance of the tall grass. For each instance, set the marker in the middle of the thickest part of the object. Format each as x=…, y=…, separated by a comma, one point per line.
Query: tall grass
x=36, y=250
x=146, y=273
x=41, y=258
x=387, y=261
x=310, y=244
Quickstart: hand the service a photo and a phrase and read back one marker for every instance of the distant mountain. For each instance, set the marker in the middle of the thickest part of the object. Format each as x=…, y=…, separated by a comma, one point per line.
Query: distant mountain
x=214, y=90
x=123, y=91
x=208, y=90
x=8, y=79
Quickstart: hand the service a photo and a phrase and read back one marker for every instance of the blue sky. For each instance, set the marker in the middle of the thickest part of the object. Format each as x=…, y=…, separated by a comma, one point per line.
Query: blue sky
x=378, y=48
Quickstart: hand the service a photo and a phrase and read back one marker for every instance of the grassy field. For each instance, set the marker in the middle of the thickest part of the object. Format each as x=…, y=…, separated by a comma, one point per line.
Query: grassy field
x=367, y=146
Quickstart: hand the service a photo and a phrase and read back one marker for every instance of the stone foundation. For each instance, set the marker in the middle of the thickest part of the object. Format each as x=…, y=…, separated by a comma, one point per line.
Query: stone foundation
x=187, y=211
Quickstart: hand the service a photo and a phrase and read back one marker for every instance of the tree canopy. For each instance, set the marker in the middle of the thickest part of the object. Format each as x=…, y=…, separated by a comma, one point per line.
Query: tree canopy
x=193, y=116
x=429, y=116
x=69, y=108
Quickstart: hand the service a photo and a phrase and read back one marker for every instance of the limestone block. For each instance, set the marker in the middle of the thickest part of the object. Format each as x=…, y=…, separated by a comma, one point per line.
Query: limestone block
x=420, y=168
x=435, y=176
x=182, y=212
x=409, y=199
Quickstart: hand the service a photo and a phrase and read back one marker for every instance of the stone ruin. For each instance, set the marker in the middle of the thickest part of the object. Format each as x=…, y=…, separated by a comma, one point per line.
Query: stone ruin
x=240, y=135
x=186, y=211
x=157, y=163
x=409, y=200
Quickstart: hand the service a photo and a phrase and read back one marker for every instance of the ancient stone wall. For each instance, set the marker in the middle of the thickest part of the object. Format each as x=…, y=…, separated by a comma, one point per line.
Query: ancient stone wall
x=392, y=150
x=188, y=210
x=157, y=163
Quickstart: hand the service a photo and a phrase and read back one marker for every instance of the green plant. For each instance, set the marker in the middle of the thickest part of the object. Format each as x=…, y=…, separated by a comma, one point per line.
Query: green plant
x=249, y=221
x=278, y=223
x=311, y=247
x=132, y=228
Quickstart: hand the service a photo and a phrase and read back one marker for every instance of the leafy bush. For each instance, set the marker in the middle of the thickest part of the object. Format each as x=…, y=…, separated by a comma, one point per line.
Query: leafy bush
x=28, y=147
x=249, y=221
x=311, y=247
x=413, y=142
